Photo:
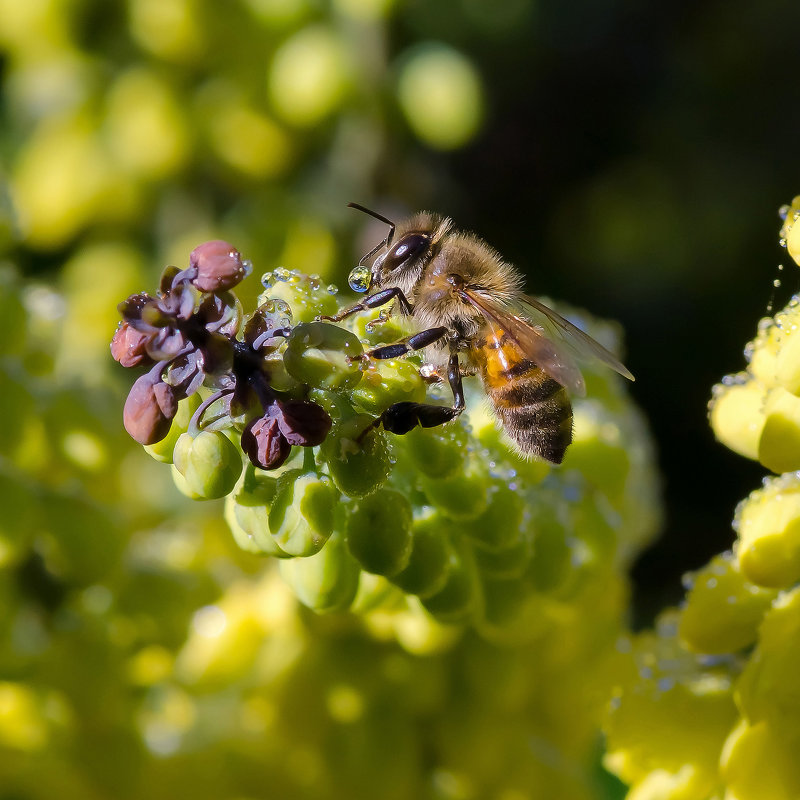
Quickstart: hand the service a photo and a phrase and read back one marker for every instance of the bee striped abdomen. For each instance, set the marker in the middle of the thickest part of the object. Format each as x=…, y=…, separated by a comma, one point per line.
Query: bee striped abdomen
x=533, y=408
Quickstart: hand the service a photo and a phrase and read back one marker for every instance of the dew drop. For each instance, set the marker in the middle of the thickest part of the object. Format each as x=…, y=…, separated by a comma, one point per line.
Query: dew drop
x=267, y=280
x=783, y=211
x=782, y=241
x=247, y=265
x=359, y=278
x=777, y=283
x=333, y=288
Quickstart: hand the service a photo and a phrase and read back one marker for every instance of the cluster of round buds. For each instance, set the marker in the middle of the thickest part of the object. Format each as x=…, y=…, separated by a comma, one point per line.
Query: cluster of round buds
x=188, y=336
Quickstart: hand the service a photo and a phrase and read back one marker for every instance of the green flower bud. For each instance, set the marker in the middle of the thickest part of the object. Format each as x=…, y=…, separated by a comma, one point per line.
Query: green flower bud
x=325, y=581
x=505, y=603
x=429, y=562
x=379, y=327
x=323, y=356
x=598, y=450
x=459, y=599
x=510, y=562
x=463, y=495
x=379, y=532
x=302, y=514
x=499, y=526
x=723, y=610
x=278, y=377
x=209, y=463
x=306, y=295
x=436, y=452
x=551, y=564
x=358, y=468
x=376, y=593
x=387, y=382
x=247, y=513
x=768, y=523
x=162, y=451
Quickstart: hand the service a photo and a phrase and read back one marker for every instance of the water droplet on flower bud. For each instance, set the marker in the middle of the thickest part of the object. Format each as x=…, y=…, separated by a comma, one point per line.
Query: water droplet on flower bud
x=359, y=278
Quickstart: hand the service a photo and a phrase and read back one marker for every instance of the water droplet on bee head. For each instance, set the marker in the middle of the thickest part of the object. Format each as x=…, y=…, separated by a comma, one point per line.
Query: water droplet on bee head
x=359, y=278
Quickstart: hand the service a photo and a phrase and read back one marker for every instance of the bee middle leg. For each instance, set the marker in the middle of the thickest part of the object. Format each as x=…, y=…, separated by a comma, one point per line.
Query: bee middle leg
x=415, y=342
x=403, y=417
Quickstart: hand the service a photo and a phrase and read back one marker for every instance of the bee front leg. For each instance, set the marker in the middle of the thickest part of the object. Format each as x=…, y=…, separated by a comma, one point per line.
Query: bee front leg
x=373, y=301
x=402, y=417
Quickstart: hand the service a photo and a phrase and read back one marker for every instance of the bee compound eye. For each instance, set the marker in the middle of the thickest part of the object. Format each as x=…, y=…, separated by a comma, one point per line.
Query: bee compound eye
x=408, y=248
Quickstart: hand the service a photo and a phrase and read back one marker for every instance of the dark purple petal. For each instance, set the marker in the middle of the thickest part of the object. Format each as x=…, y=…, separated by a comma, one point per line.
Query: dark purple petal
x=185, y=373
x=220, y=313
x=166, y=344
x=303, y=423
x=265, y=445
x=219, y=266
x=149, y=410
x=131, y=307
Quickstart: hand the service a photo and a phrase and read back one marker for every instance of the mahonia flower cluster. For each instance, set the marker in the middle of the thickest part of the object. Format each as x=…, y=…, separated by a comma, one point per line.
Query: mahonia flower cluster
x=708, y=705
x=450, y=519
x=187, y=336
x=144, y=654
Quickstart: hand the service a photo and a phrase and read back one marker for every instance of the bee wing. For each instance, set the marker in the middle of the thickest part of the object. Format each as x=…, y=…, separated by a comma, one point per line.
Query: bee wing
x=546, y=352
x=552, y=342
x=582, y=345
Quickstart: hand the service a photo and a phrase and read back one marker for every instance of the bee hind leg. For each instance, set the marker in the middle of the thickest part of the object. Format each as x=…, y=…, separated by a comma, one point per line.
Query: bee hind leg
x=403, y=417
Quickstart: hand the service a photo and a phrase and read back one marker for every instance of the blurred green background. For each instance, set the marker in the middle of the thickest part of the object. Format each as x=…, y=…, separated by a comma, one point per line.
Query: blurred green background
x=630, y=158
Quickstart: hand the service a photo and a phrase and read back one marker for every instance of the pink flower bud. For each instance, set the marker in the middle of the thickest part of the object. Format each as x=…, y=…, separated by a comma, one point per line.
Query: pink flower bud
x=219, y=266
x=265, y=445
x=149, y=410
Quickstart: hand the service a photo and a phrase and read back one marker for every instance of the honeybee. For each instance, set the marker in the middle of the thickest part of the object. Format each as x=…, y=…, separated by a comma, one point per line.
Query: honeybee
x=468, y=303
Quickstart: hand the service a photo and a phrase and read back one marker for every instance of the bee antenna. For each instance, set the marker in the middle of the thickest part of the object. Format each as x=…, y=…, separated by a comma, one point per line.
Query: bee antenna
x=376, y=215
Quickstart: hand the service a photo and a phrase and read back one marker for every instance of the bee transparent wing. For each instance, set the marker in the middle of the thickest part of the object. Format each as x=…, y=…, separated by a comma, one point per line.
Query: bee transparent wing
x=559, y=329
x=546, y=351
x=550, y=341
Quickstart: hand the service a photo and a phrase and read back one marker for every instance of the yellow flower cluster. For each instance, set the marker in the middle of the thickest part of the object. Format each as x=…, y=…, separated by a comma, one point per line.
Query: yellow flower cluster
x=709, y=706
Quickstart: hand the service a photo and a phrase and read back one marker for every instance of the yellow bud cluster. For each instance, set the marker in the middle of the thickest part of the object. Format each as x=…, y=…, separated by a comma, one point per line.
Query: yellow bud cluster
x=707, y=706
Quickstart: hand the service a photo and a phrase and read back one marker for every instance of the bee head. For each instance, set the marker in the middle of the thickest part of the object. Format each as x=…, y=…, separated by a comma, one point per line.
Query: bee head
x=401, y=256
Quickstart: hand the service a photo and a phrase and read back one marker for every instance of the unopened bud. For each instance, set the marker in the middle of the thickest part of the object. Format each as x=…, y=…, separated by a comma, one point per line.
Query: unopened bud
x=149, y=410
x=219, y=266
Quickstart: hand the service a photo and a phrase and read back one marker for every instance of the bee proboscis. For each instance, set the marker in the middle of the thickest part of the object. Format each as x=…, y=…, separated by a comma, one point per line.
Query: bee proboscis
x=468, y=303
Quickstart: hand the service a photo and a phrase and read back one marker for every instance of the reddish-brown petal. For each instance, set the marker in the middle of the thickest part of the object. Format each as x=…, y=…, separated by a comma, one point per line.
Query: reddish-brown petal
x=303, y=423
